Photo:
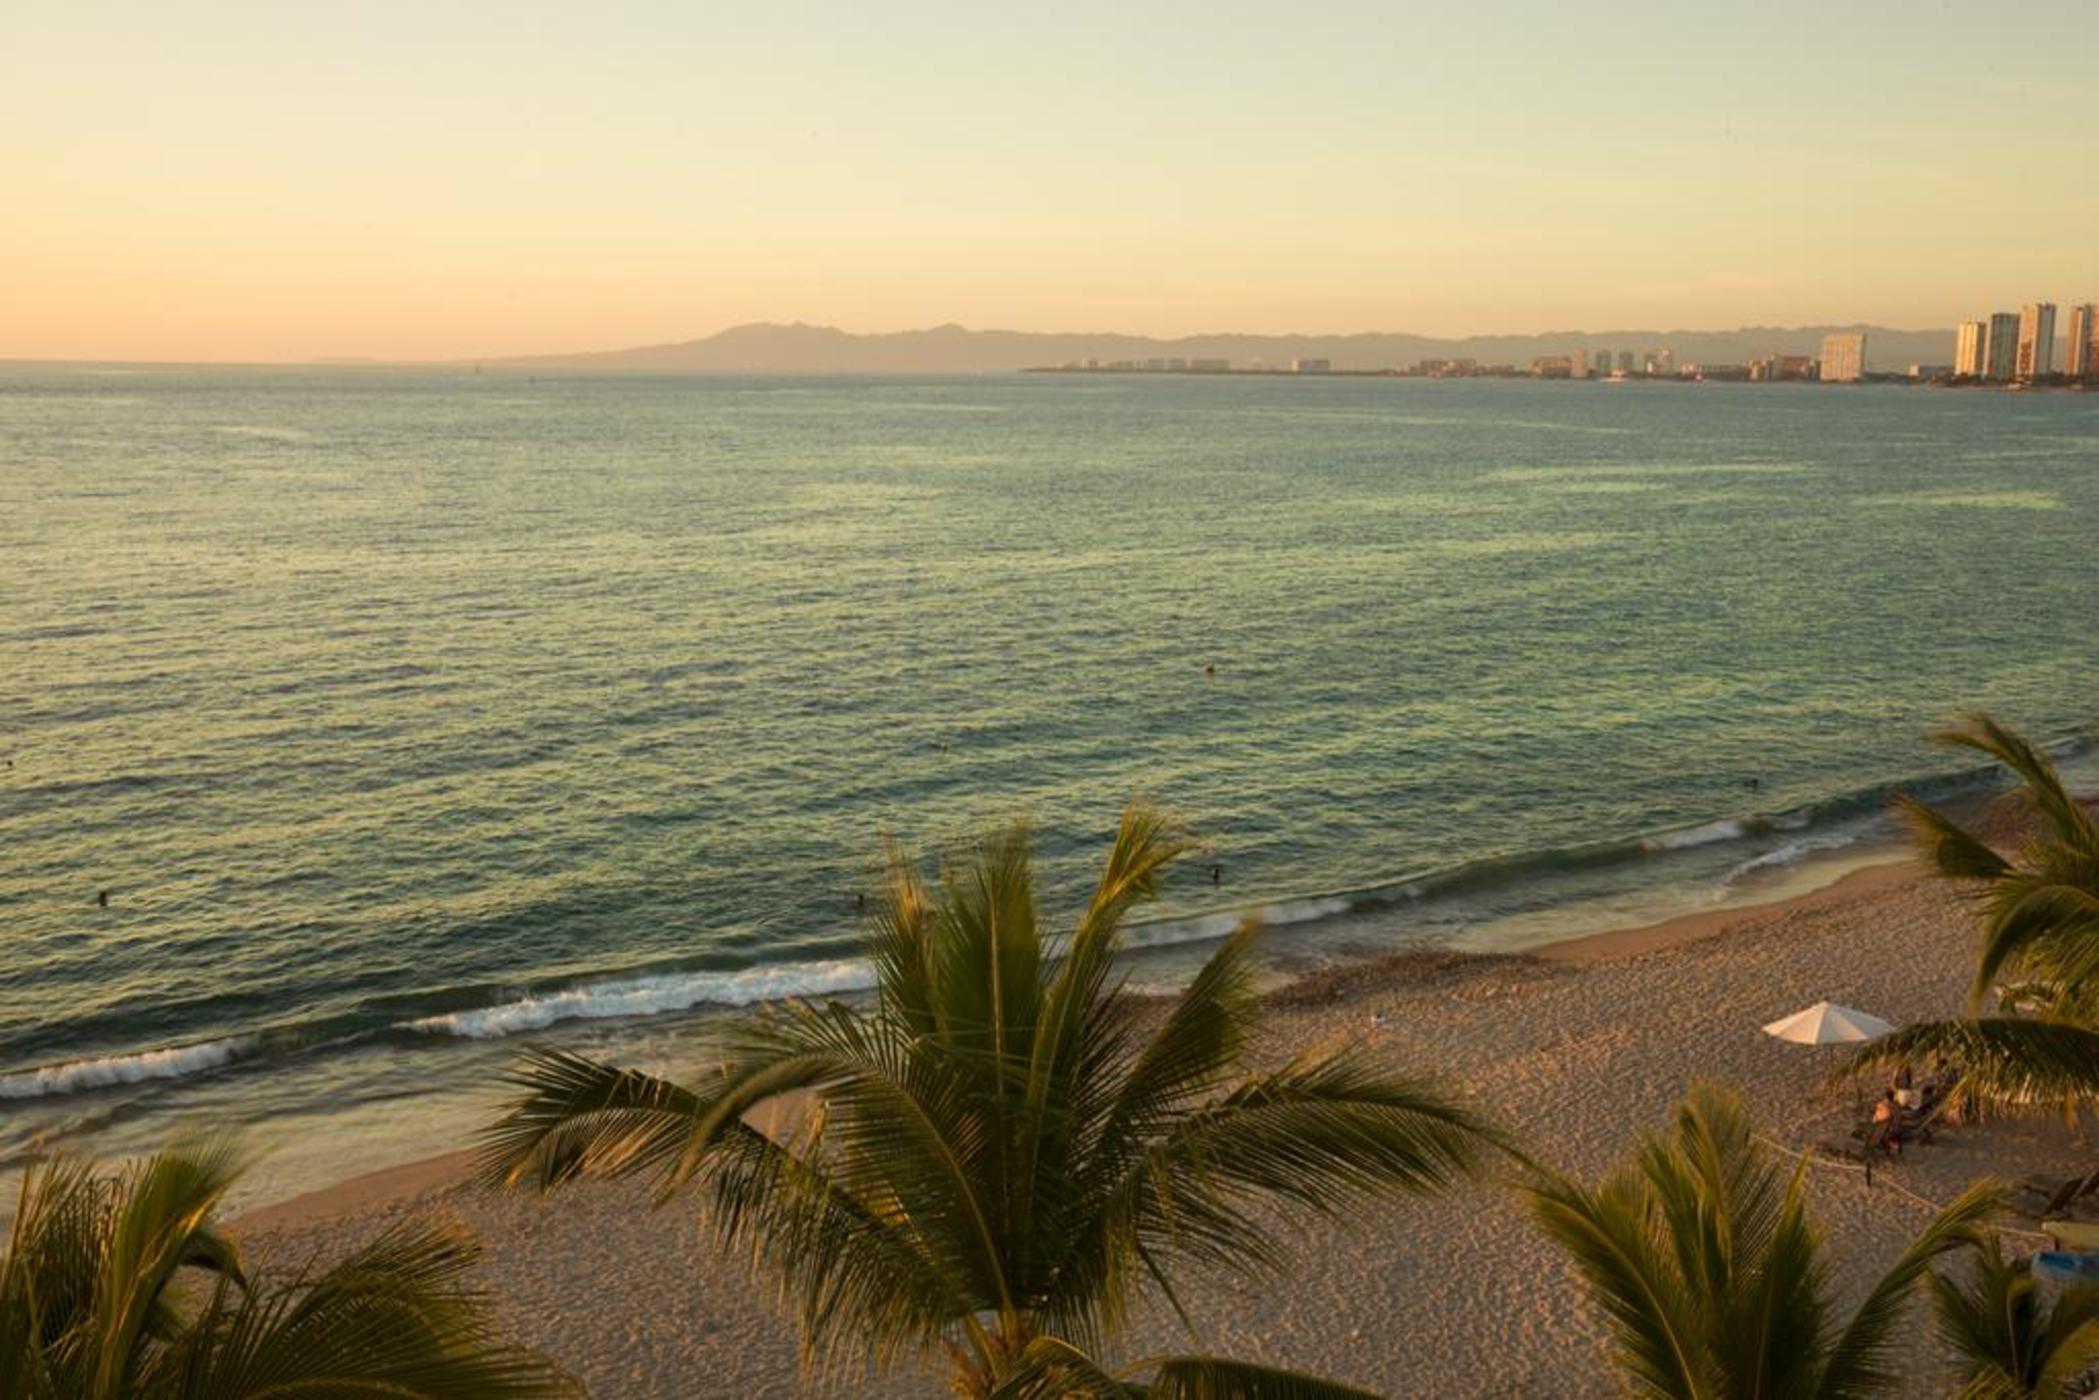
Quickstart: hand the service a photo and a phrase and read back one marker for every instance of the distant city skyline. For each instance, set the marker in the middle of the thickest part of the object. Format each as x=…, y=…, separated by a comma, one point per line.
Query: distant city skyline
x=222, y=181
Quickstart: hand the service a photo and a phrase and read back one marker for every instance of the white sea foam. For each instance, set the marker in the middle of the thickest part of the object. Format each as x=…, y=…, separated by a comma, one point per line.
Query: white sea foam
x=1211, y=926
x=264, y=431
x=1788, y=853
x=101, y=1072
x=652, y=996
x=1702, y=835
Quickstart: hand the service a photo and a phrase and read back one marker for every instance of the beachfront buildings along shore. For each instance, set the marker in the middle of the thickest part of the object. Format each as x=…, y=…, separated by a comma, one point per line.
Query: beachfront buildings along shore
x=2006, y=347
x=2036, y=353
x=2081, y=352
x=1844, y=357
x=2019, y=348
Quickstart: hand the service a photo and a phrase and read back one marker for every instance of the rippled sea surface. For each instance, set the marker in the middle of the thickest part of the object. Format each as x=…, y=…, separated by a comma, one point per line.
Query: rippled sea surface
x=404, y=714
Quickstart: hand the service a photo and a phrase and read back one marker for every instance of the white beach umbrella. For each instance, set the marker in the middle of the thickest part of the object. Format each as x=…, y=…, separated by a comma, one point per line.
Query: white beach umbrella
x=1826, y=1023
x=1829, y=1025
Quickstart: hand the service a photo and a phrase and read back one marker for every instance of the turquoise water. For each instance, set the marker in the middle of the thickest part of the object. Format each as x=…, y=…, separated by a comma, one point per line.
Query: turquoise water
x=404, y=715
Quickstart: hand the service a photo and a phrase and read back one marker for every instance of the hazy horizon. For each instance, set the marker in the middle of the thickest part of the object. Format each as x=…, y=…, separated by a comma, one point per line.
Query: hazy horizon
x=934, y=327
x=230, y=183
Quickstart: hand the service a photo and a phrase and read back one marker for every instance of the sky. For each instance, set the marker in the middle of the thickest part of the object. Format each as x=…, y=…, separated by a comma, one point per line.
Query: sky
x=255, y=180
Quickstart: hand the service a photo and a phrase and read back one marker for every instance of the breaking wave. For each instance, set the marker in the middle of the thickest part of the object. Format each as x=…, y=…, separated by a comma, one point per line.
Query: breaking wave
x=651, y=996
x=176, y=1062
x=1774, y=839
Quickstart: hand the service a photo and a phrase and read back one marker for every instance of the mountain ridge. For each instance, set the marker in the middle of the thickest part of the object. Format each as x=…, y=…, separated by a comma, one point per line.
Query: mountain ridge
x=950, y=348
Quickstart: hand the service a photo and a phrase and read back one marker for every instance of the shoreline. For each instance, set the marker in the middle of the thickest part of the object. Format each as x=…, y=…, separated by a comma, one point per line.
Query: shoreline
x=425, y=1176
x=1580, y=1047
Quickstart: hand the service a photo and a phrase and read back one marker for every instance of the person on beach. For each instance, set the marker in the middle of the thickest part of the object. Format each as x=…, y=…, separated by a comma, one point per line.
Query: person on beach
x=1887, y=1124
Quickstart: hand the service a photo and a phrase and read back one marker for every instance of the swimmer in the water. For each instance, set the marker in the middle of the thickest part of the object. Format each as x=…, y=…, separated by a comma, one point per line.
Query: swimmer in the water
x=103, y=899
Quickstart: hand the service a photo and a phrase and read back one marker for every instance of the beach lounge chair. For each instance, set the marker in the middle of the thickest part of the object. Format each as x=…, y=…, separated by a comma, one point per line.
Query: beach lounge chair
x=2061, y=1198
x=2066, y=1267
x=2073, y=1235
x=1916, y=1125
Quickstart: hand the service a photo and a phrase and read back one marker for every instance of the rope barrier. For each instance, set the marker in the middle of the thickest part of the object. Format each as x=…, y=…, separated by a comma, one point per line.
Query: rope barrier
x=1814, y=1159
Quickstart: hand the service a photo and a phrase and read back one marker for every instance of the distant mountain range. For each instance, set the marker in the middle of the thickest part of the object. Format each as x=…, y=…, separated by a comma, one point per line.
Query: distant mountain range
x=765, y=347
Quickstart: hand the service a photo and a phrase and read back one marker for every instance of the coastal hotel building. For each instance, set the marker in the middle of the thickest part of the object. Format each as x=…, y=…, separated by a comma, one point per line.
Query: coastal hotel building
x=2016, y=348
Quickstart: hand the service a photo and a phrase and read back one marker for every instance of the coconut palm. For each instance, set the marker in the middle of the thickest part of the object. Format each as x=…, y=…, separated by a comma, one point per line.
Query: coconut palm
x=2012, y=1342
x=1711, y=1276
x=119, y=1285
x=997, y=1158
x=2039, y=947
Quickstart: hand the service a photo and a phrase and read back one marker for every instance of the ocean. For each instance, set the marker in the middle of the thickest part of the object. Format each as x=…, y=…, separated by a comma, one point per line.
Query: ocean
x=408, y=717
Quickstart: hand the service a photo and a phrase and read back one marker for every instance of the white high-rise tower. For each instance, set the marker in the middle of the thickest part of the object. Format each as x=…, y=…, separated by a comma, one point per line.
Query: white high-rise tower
x=1971, y=349
x=2036, y=340
x=2080, y=354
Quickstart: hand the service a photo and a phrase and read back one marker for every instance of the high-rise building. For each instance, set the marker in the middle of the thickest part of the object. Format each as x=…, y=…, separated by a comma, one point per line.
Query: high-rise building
x=1625, y=362
x=2081, y=355
x=1969, y=349
x=2036, y=340
x=1844, y=357
x=2000, y=353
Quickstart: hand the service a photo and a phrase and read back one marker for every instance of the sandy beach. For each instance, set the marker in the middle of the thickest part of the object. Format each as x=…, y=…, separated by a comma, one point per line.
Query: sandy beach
x=1579, y=1048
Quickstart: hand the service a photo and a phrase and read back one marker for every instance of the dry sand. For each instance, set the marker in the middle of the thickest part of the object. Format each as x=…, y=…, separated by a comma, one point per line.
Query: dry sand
x=1579, y=1048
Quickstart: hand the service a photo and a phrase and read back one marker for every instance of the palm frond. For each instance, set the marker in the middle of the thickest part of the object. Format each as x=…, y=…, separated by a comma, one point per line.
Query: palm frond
x=1658, y=1331
x=988, y=959
x=1318, y=1134
x=86, y=1306
x=1194, y=1049
x=578, y=1117
x=395, y=1318
x=2004, y=1061
x=902, y=942
x=2011, y=1341
x=1147, y=841
x=1858, y=1365
x=2038, y=921
x=2071, y=1347
x=997, y=1152
x=2067, y=820
x=856, y=1273
x=1327, y=1125
x=1956, y=853
x=1213, y=1378
x=159, y=1222
x=1735, y=1218
x=1051, y=1368
x=1082, y=1030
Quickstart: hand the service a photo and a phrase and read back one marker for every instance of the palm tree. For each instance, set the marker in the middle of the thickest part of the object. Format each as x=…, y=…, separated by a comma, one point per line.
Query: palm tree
x=118, y=1285
x=1001, y=1154
x=1711, y=1276
x=2012, y=1343
x=2039, y=948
